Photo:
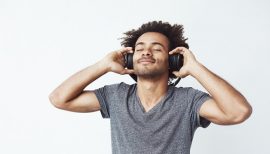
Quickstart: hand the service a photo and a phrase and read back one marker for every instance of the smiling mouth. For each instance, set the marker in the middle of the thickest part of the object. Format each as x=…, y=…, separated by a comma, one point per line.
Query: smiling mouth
x=146, y=61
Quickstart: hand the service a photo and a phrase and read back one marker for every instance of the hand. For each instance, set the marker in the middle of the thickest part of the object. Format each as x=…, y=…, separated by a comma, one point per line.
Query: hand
x=115, y=61
x=188, y=64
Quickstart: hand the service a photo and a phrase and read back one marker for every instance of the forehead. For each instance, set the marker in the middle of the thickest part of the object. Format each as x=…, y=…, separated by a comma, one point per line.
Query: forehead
x=150, y=37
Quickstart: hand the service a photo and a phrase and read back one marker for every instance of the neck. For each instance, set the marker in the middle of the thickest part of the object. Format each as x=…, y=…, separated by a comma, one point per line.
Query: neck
x=151, y=91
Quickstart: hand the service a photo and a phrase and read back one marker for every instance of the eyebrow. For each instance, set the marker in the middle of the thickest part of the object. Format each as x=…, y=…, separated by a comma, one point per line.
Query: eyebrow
x=153, y=43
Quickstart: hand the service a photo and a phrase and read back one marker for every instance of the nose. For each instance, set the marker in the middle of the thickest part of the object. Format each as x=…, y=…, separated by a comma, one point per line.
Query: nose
x=147, y=52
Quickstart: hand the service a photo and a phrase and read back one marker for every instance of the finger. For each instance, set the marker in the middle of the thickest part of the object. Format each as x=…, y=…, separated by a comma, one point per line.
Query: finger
x=178, y=74
x=125, y=50
x=177, y=50
x=128, y=71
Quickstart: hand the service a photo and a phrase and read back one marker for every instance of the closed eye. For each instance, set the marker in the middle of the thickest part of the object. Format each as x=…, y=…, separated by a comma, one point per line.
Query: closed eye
x=157, y=49
x=139, y=50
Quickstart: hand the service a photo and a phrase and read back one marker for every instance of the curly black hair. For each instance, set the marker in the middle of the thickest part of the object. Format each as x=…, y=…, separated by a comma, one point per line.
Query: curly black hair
x=174, y=33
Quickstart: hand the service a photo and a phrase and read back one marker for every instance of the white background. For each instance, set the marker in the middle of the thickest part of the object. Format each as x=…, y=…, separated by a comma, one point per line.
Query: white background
x=44, y=42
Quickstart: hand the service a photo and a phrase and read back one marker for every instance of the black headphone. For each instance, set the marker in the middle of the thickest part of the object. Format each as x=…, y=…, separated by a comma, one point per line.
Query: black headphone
x=175, y=63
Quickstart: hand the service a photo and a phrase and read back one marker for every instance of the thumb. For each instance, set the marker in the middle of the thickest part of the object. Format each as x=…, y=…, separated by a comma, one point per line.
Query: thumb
x=128, y=71
x=179, y=74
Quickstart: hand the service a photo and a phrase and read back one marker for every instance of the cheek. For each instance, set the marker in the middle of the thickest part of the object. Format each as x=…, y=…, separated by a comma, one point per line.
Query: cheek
x=164, y=61
x=135, y=57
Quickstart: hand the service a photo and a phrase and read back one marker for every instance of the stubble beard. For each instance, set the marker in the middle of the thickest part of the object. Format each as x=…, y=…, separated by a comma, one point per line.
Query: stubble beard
x=147, y=72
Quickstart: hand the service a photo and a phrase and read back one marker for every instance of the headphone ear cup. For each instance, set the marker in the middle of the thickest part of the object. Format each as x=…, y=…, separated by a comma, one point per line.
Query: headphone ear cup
x=129, y=60
x=175, y=62
x=129, y=64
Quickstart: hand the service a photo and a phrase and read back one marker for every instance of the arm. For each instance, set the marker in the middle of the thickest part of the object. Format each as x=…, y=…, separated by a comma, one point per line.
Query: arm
x=228, y=105
x=70, y=95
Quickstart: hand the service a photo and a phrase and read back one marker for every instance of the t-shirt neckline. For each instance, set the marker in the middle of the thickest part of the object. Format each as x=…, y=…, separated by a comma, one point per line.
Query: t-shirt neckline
x=154, y=108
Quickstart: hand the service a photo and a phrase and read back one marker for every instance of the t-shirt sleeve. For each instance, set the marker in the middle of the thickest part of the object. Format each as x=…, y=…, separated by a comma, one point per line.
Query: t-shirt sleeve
x=104, y=96
x=197, y=98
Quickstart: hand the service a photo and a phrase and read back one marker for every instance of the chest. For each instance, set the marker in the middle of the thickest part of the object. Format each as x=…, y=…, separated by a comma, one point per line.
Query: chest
x=166, y=113
x=161, y=124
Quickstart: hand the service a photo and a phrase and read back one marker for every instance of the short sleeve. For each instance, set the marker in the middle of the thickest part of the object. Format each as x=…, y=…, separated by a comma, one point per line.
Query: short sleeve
x=104, y=96
x=197, y=98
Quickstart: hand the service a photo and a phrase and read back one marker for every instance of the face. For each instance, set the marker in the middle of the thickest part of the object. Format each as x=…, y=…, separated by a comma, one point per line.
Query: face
x=150, y=57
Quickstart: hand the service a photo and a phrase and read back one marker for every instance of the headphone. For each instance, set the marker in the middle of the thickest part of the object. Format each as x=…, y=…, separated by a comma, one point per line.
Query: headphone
x=175, y=63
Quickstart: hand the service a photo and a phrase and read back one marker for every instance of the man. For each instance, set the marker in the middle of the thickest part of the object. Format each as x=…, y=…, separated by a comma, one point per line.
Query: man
x=152, y=116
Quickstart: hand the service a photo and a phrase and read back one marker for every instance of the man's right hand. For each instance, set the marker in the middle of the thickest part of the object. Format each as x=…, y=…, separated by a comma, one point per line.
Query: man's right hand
x=115, y=61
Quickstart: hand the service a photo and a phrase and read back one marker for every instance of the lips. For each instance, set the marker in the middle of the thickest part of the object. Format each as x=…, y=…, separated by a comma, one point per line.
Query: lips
x=146, y=60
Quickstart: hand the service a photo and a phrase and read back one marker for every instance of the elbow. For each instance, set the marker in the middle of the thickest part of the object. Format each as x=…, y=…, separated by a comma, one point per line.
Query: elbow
x=56, y=101
x=242, y=115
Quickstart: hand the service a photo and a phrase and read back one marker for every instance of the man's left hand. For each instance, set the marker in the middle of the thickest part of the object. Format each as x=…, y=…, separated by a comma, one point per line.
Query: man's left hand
x=189, y=62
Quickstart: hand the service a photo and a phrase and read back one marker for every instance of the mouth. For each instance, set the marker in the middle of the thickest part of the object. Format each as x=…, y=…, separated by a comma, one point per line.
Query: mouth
x=146, y=61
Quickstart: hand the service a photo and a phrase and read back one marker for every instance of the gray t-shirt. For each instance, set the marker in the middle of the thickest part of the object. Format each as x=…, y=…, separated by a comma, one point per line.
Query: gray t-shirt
x=167, y=128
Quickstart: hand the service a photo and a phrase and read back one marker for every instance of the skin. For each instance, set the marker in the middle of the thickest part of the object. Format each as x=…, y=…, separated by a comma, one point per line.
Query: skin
x=152, y=82
x=227, y=106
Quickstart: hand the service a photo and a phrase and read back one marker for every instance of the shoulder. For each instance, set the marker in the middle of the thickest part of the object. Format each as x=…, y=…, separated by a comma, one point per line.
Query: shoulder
x=122, y=86
x=188, y=93
x=187, y=90
x=183, y=90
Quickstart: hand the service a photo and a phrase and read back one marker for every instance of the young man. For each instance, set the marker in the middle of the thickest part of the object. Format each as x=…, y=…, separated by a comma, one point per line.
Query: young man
x=152, y=116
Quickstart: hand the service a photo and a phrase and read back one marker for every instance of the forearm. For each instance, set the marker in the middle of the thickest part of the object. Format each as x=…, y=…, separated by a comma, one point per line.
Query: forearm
x=75, y=84
x=231, y=102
